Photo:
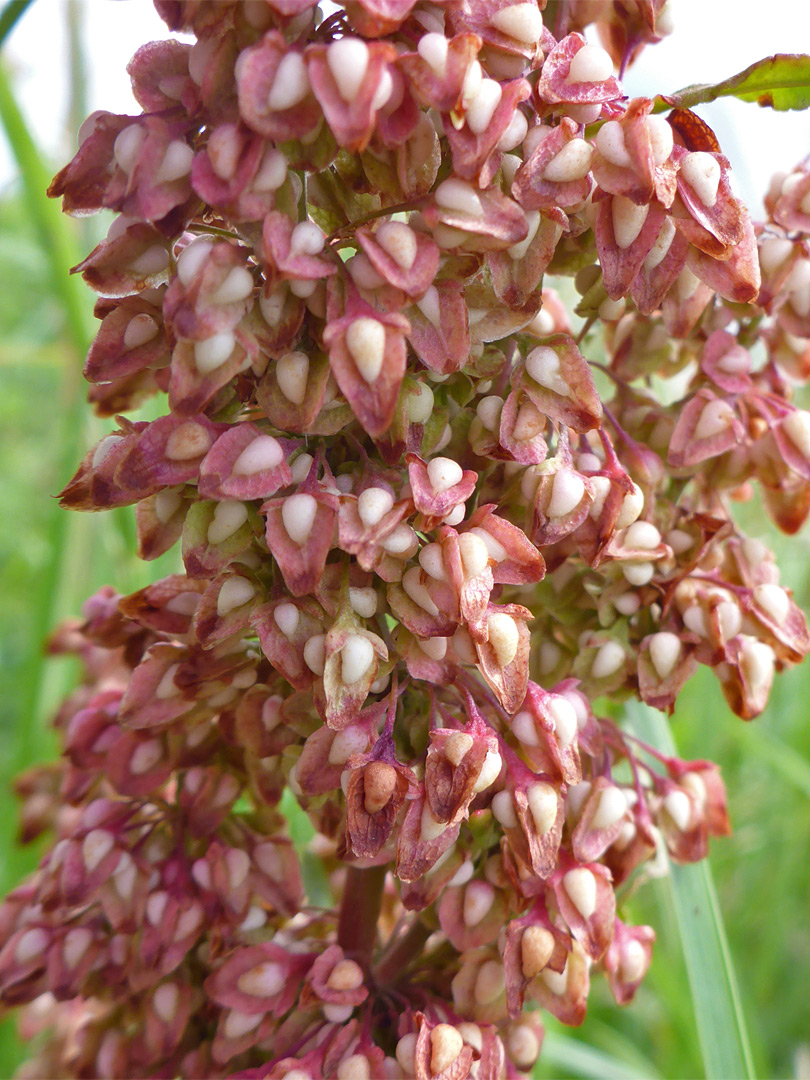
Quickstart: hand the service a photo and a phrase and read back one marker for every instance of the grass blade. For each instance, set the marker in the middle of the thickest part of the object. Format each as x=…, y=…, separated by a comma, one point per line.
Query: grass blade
x=564, y=1056
x=715, y=996
x=11, y=15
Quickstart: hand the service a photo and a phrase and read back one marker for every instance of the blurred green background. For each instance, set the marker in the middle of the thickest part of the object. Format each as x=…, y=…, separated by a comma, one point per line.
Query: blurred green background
x=51, y=561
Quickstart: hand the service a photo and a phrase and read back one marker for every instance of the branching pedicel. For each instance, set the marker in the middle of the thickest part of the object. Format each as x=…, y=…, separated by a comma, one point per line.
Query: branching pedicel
x=418, y=544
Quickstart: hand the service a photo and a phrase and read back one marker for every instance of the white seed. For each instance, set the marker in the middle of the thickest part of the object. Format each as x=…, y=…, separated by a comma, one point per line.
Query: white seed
x=457, y=746
x=632, y=505
x=348, y=59
x=611, y=145
x=600, y=489
x=264, y=980
x=458, y=195
x=213, y=352
x=543, y=804
x=471, y=1034
x=774, y=601
x=429, y=306
x=736, y=361
x=272, y=171
x=567, y=490
x=432, y=48
x=306, y=239
x=385, y=88
x=352, y=740
x=420, y=404
x=264, y=452
x=580, y=884
x=796, y=426
x=474, y=554
x=608, y=660
x=176, y=162
x=479, y=896
x=556, y=981
x=399, y=241
x=430, y=828
x=31, y=945
x=661, y=246
x=661, y=141
x=489, y=983
x=627, y=604
x=679, y=808
x=519, y=250
x=356, y=657
x=443, y=474
x=229, y=517
x=405, y=1053
x=482, y=107
x=365, y=340
x=292, y=371
x=564, y=716
x=104, y=448
x=503, y=809
x=462, y=875
x=238, y=1024
x=400, y=541
x=529, y=422
x=543, y=365
x=286, y=617
x=729, y=617
x=373, y=504
x=165, y=1001
x=757, y=661
x=435, y=648
x=591, y=64
x=575, y=798
x=679, y=540
x=301, y=467
x=773, y=251
x=665, y=652
x=490, y=771
x=127, y=145
x=290, y=84
x=191, y=259
x=503, y=636
x=76, y=944
x=701, y=171
x=96, y=846
x=238, y=285
x=445, y=1046
x=315, y=653
x=513, y=136
x=355, y=1067
x=523, y=22
x=611, y=808
x=298, y=516
x=571, y=163
x=633, y=961
x=717, y=416
x=363, y=602
x=335, y=1014
x=628, y=220
x=140, y=329
x=167, y=687
x=686, y=284
x=523, y=1046
x=472, y=80
x=145, y=756
x=235, y=592
x=431, y=560
x=642, y=535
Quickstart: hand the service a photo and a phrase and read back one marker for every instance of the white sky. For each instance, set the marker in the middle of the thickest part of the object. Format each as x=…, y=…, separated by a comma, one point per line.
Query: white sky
x=712, y=39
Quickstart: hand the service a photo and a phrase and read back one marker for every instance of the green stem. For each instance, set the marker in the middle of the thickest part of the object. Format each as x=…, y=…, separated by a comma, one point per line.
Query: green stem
x=11, y=15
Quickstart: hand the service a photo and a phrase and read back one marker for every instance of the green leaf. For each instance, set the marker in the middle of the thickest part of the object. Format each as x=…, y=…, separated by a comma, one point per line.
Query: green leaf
x=715, y=996
x=11, y=15
x=564, y=1056
x=779, y=82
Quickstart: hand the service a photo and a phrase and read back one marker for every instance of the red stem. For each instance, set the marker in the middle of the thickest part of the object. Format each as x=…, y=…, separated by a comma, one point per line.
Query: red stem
x=360, y=912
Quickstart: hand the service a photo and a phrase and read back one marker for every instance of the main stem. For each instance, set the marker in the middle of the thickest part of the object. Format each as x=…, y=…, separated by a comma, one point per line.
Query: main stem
x=360, y=912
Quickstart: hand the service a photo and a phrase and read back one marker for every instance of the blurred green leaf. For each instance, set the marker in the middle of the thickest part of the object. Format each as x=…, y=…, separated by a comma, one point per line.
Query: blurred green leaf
x=564, y=1056
x=778, y=82
x=715, y=997
x=11, y=15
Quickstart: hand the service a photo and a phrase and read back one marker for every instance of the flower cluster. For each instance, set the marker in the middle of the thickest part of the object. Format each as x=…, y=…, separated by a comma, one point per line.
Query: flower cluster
x=428, y=515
